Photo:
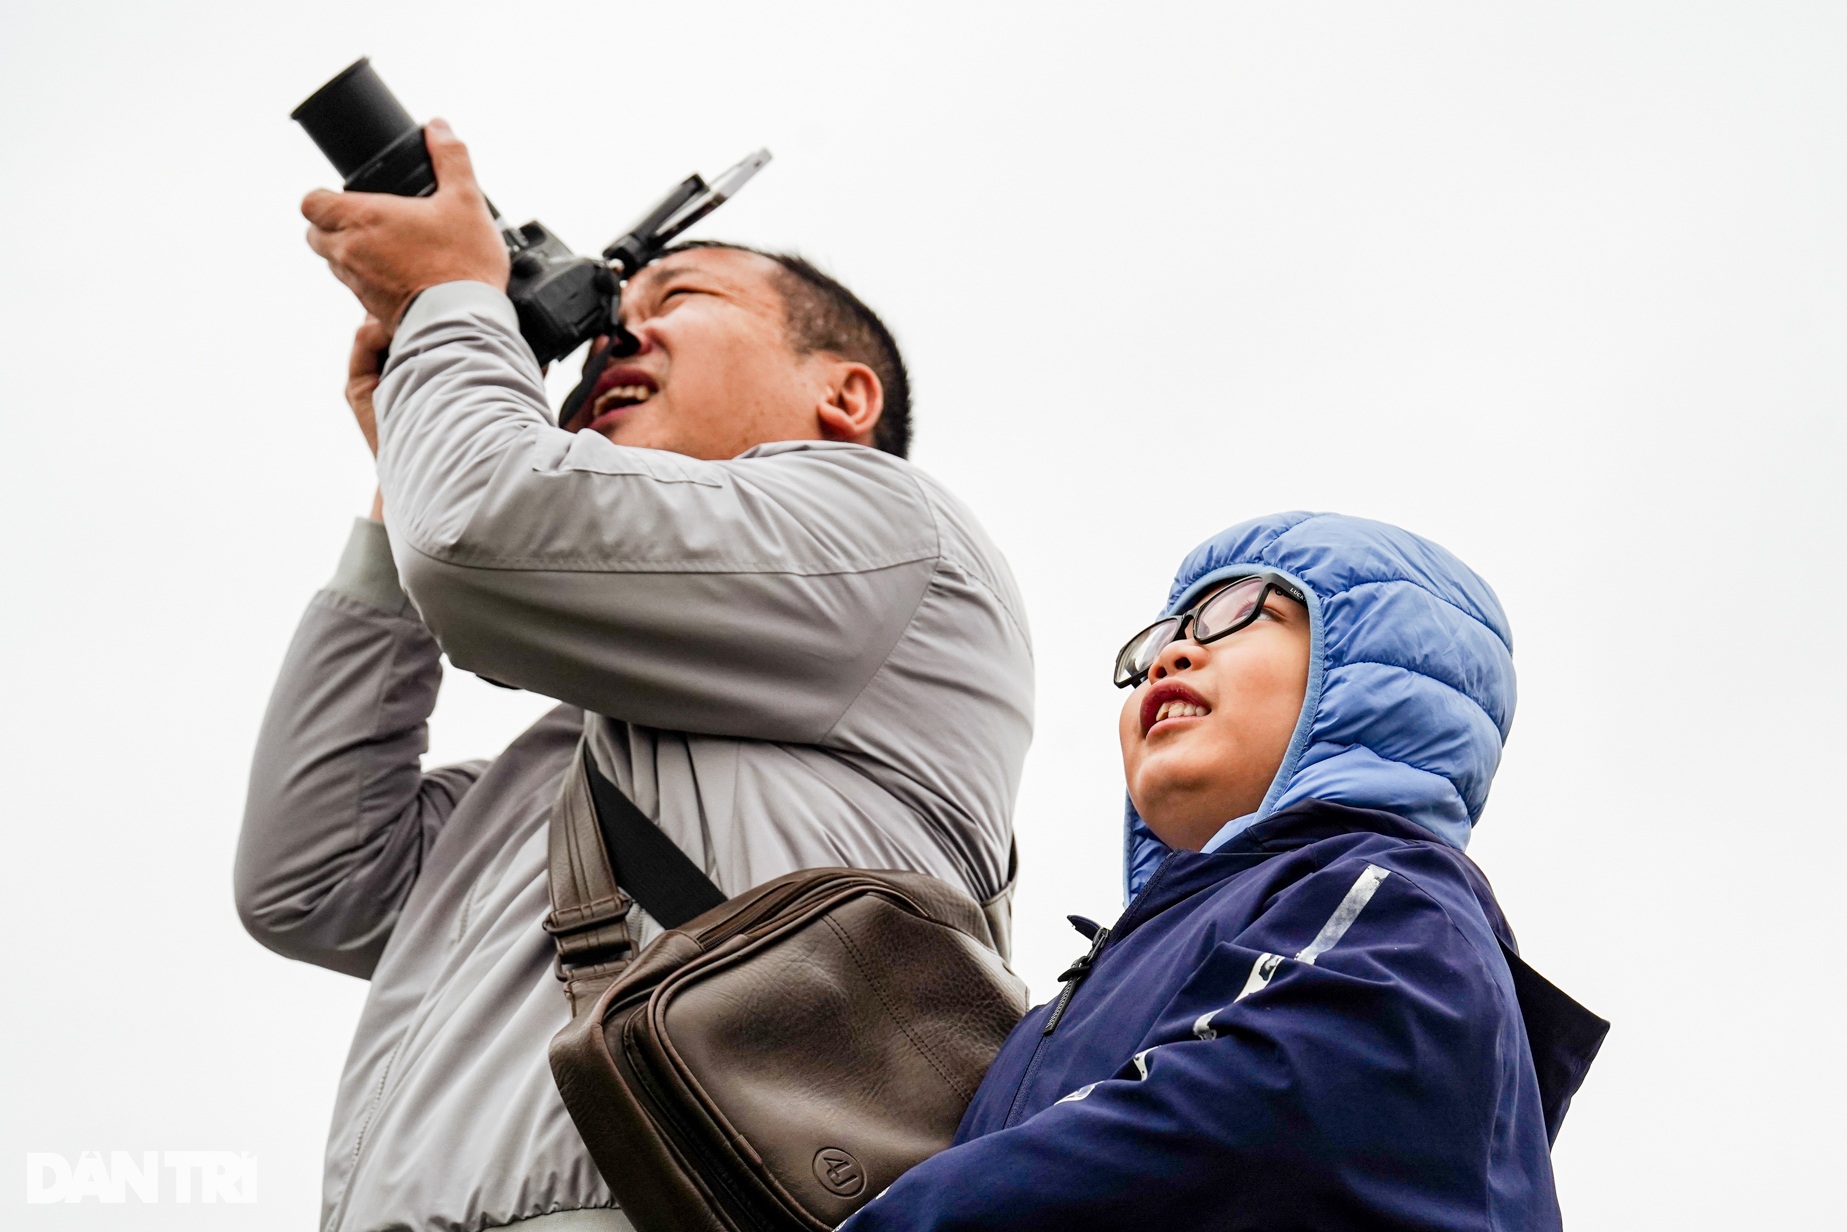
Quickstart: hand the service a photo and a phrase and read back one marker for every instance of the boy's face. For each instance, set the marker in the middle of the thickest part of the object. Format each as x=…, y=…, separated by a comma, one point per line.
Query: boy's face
x=1205, y=733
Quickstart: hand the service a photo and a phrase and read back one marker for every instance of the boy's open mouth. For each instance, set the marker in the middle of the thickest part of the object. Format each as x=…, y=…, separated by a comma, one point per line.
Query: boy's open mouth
x=1169, y=700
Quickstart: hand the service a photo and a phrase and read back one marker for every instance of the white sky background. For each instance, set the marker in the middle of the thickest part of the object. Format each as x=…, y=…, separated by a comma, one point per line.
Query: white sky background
x=1562, y=287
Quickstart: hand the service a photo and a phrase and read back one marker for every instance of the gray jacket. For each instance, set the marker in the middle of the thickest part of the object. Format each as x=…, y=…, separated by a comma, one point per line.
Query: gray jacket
x=807, y=655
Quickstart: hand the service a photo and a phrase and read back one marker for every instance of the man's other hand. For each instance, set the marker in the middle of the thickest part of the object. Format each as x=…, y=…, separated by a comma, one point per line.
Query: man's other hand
x=388, y=248
x=362, y=371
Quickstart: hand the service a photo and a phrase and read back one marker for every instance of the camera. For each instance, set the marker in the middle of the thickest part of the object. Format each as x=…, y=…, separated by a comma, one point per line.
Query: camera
x=563, y=299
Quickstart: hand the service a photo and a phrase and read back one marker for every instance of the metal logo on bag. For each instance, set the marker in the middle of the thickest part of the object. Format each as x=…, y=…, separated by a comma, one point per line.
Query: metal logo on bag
x=839, y=1171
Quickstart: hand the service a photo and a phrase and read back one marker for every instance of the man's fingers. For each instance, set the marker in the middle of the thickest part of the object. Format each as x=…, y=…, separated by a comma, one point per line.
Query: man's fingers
x=331, y=246
x=368, y=341
x=323, y=242
x=449, y=156
x=387, y=248
x=372, y=335
x=324, y=209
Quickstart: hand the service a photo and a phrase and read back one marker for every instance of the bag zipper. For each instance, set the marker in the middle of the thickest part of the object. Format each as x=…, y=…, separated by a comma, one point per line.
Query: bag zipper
x=691, y=1141
x=769, y=904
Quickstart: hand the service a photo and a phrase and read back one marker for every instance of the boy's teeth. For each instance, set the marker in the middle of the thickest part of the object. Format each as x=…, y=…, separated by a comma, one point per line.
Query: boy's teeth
x=1178, y=710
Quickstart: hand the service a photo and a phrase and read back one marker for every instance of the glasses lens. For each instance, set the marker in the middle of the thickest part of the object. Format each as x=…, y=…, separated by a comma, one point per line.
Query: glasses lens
x=1230, y=609
x=1139, y=655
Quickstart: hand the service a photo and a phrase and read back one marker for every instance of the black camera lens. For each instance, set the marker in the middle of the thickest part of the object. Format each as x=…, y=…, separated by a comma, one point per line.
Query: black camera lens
x=367, y=135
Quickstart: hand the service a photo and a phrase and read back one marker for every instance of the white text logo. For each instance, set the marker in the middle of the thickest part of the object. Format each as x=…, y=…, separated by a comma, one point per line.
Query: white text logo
x=190, y=1176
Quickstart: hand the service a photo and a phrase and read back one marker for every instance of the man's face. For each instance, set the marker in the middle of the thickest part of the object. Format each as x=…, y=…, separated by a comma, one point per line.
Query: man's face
x=1204, y=735
x=716, y=373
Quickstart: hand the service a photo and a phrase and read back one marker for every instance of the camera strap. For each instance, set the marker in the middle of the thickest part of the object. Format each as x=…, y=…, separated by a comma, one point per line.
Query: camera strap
x=593, y=372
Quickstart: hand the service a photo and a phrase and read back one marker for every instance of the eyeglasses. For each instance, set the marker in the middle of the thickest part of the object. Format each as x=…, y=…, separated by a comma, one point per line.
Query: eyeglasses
x=1220, y=614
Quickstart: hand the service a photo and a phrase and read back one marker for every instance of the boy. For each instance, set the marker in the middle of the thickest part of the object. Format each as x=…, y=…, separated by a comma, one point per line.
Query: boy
x=1311, y=1014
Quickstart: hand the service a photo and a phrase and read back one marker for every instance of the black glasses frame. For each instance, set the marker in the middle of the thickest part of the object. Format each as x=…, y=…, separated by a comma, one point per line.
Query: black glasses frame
x=1184, y=623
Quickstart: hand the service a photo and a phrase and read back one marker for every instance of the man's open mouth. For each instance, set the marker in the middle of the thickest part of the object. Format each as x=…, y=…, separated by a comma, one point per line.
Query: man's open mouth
x=619, y=387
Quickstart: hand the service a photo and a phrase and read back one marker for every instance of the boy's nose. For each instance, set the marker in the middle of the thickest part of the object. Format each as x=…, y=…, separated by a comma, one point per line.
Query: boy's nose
x=1177, y=656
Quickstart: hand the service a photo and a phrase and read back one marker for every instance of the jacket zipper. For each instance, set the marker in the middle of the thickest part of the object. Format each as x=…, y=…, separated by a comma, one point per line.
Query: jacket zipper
x=338, y=1218
x=1081, y=968
x=1072, y=977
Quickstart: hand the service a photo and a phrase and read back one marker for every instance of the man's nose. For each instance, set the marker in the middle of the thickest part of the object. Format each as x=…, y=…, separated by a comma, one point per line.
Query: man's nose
x=642, y=332
x=1179, y=655
x=631, y=342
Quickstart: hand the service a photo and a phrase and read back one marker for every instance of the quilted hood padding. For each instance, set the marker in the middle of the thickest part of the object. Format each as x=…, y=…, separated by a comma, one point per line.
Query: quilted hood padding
x=1411, y=678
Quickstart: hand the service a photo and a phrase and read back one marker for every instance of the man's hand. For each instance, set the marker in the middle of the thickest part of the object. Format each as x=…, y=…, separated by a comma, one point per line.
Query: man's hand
x=362, y=369
x=388, y=248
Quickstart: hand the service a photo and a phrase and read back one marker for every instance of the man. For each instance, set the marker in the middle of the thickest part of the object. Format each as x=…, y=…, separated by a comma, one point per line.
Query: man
x=787, y=647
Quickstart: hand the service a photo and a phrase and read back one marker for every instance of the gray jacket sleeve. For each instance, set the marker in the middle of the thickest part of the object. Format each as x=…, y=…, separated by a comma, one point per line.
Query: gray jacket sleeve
x=339, y=813
x=754, y=597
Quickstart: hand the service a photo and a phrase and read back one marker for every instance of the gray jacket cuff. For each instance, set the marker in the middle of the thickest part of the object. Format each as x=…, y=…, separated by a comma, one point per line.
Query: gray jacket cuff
x=366, y=571
x=452, y=298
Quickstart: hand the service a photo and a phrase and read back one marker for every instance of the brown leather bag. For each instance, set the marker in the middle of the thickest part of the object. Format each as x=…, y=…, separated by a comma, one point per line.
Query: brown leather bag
x=779, y=1059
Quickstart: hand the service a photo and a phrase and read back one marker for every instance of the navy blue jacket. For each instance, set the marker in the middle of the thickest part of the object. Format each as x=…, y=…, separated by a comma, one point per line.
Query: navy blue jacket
x=1321, y=1025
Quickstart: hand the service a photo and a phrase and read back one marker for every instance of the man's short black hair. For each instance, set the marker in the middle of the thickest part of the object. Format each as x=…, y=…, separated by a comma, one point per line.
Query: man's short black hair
x=823, y=315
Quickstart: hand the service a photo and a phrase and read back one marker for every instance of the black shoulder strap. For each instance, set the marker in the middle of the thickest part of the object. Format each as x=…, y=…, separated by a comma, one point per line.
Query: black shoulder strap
x=647, y=863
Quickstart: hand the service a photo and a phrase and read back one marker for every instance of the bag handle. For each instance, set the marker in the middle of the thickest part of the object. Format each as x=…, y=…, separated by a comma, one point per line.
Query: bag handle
x=999, y=908
x=591, y=893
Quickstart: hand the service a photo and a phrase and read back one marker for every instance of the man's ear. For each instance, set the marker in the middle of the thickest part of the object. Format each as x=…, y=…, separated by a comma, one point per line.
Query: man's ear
x=854, y=399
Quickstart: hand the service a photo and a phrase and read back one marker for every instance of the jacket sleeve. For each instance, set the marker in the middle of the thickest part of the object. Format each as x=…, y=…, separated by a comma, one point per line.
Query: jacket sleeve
x=754, y=597
x=339, y=813
x=1281, y=1088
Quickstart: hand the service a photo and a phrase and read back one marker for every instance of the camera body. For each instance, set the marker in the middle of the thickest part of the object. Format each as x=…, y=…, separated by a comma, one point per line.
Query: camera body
x=563, y=299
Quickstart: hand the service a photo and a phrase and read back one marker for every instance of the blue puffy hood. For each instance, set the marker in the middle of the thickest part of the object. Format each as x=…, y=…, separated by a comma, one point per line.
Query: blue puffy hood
x=1410, y=682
